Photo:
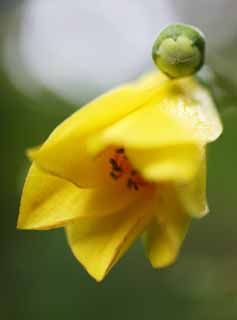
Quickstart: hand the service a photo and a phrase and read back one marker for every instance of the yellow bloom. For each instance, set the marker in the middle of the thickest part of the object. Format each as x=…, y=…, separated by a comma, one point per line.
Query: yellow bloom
x=131, y=162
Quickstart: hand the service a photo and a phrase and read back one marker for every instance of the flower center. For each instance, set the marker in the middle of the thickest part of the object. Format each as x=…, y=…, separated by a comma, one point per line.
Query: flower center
x=121, y=168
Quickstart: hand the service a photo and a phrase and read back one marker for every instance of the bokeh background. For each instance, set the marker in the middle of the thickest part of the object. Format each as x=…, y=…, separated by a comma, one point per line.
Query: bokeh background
x=55, y=56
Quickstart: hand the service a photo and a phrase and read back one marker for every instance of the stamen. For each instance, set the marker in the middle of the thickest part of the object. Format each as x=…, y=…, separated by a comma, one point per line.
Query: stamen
x=120, y=150
x=113, y=175
x=129, y=183
x=134, y=172
x=132, y=184
x=115, y=165
x=135, y=186
x=122, y=168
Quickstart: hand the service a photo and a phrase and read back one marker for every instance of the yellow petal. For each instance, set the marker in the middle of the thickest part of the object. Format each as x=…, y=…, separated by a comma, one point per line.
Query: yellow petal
x=49, y=202
x=98, y=243
x=32, y=152
x=193, y=194
x=177, y=163
x=65, y=153
x=184, y=114
x=165, y=234
x=73, y=163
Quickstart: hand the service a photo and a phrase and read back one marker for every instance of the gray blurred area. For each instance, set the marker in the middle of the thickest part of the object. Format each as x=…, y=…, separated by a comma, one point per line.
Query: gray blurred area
x=56, y=55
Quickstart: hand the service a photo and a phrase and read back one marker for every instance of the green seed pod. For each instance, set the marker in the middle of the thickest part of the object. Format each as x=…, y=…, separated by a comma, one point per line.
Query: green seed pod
x=179, y=50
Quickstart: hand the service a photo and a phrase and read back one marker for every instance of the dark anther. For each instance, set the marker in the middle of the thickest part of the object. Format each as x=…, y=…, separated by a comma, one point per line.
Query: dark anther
x=114, y=165
x=134, y=172
x=135, y=186
x=120, y=150
x=113, y=175
x=112, y=161
x=131, y=184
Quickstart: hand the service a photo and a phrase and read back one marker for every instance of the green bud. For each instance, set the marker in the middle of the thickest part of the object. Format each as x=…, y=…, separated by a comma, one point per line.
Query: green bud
x=179, y=50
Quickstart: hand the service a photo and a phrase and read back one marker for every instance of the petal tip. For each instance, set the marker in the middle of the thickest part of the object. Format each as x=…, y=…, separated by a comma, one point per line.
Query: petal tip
x=21, y=225
x=164, y=261
x=200, y=214
x=32, y=153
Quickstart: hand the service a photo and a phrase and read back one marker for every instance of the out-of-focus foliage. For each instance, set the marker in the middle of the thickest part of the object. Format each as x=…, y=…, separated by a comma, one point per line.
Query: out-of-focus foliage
x=221, y=87
x=41, y=280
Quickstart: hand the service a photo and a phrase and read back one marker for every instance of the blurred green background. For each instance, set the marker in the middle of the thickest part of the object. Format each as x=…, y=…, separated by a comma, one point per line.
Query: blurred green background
x=54, y=57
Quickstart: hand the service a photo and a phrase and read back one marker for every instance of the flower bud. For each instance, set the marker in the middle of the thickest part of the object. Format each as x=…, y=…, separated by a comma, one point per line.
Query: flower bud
x=179, y=50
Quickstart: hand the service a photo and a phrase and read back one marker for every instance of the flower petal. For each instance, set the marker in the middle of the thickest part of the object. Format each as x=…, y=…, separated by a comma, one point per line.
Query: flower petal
x=65, y=154
x=184, y=114
x=164, y=236
x=74, y=164
x=98, y=243
x=49, y=202
x=177, y=163
x=193, y=194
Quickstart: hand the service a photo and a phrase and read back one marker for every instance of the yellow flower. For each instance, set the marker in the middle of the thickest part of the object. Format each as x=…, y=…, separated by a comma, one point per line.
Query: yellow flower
x=130, y=163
